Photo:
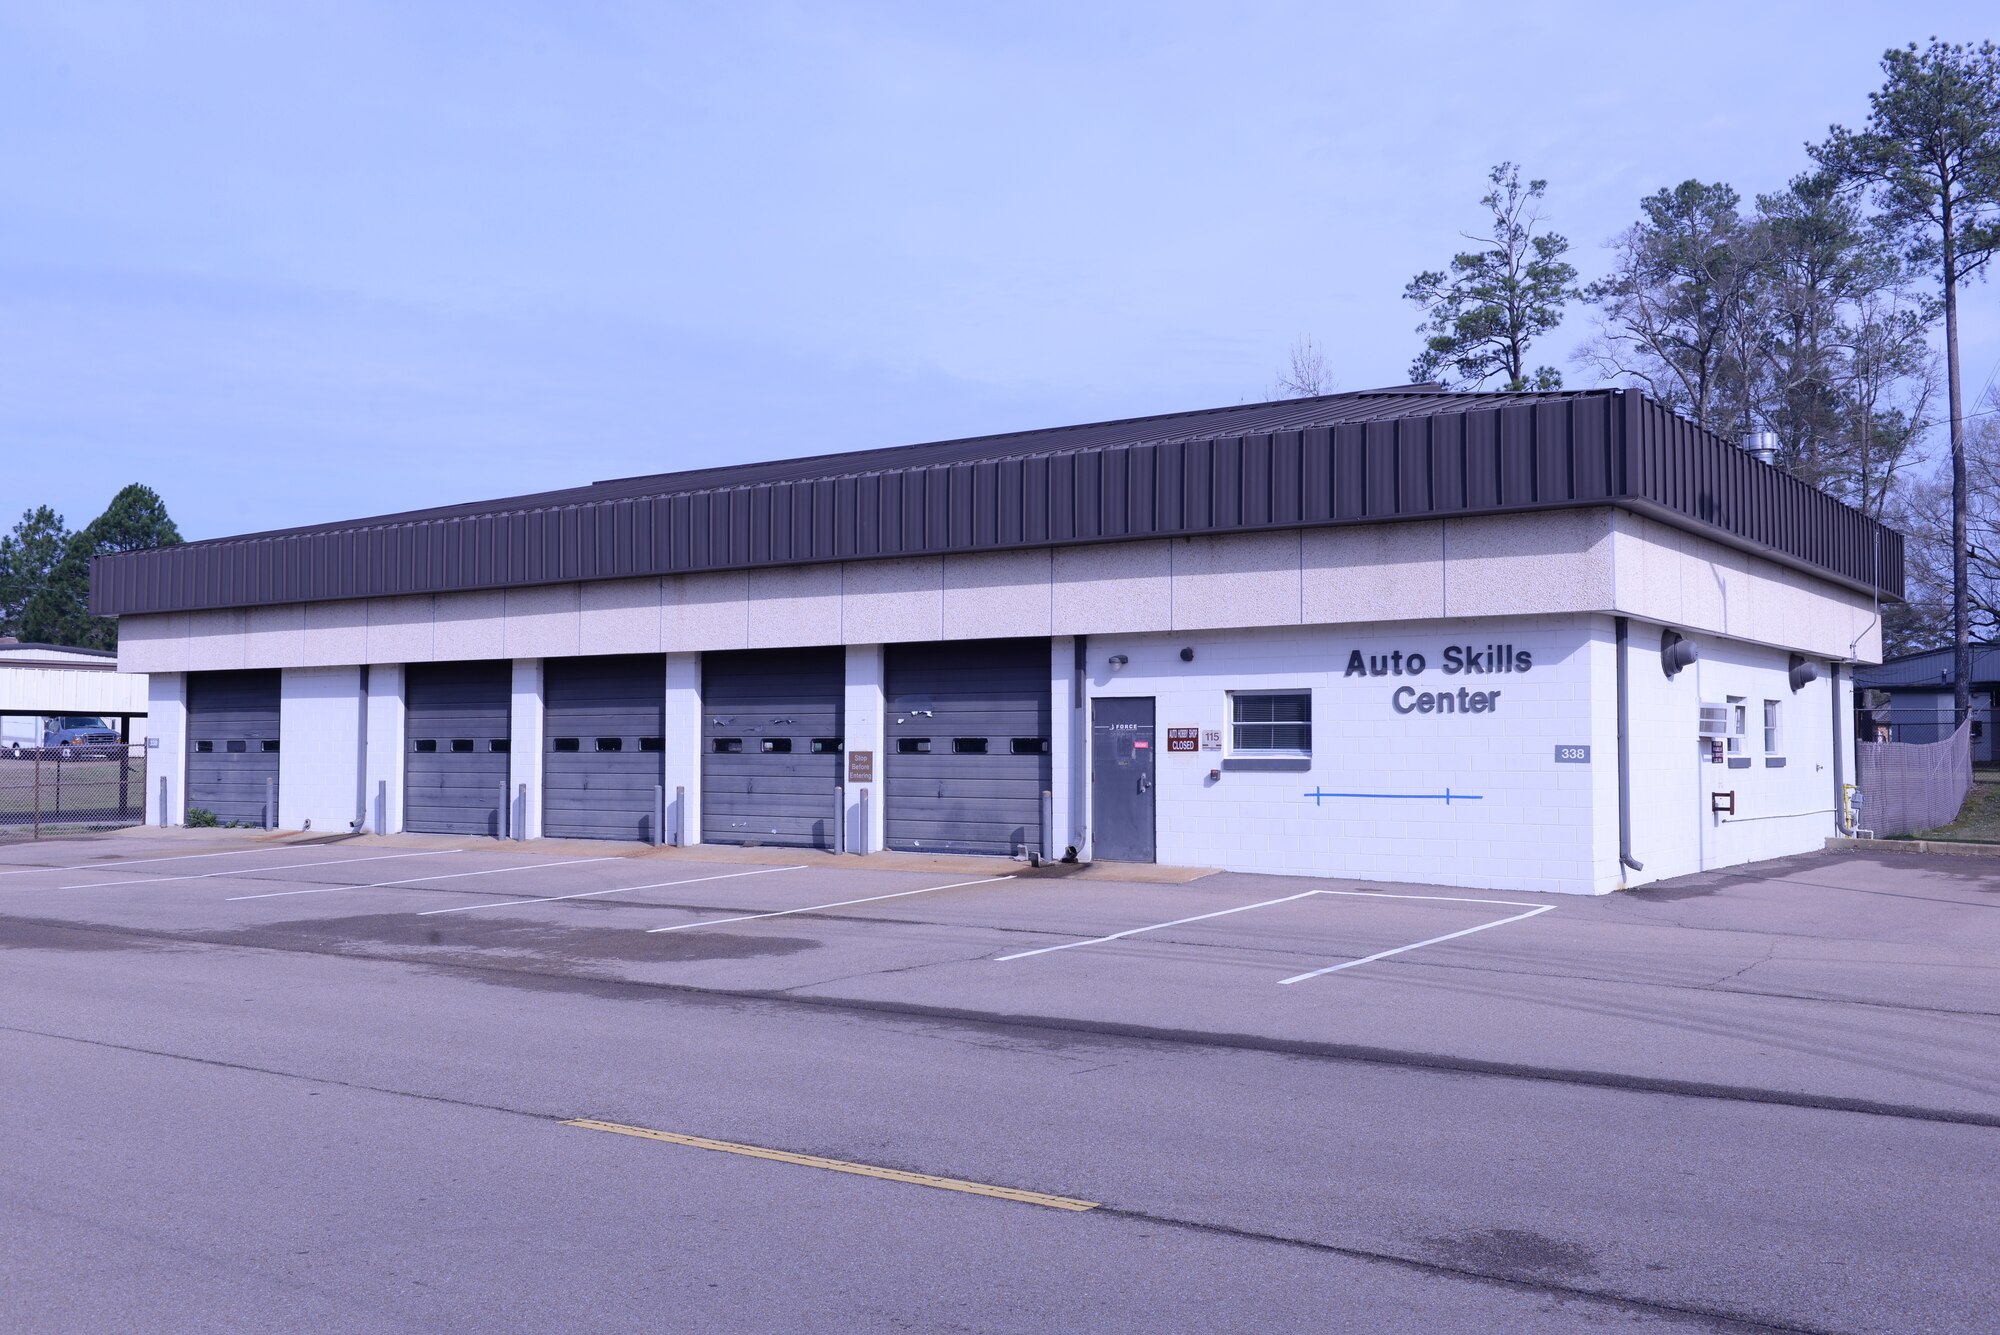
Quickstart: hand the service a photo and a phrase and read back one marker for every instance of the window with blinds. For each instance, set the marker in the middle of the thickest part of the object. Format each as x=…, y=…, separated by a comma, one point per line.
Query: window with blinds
x=1271, y=723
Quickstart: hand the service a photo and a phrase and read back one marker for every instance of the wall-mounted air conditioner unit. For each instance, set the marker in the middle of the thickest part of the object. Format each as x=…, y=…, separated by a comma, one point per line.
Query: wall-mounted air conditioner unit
x=1714, y=721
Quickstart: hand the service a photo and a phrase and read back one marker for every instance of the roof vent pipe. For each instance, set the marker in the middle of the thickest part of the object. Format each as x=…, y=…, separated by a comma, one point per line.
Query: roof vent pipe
x=1763, y=444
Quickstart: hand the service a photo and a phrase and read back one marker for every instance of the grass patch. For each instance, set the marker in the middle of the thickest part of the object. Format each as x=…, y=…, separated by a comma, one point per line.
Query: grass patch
x=74, y=787
x=1979, y=819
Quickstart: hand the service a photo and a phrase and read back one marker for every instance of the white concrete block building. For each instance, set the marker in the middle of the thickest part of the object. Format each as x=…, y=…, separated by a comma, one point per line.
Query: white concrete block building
x=1521, y=641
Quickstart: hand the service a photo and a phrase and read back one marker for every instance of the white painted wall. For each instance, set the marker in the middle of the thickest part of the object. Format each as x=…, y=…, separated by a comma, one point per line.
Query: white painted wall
x=683, y=743
x=524, y=764
x=1516, y=820
x=382, y=788
x=1780, y=808
x=166, y=716
x=864, y=713
x=319, y=749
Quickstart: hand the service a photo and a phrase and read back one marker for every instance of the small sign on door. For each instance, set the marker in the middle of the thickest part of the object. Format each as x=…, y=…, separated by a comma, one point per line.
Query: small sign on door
x=1183, y=739
x=861, y=767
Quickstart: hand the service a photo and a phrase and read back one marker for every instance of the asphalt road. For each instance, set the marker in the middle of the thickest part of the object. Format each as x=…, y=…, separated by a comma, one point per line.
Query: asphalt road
x=341, y=1110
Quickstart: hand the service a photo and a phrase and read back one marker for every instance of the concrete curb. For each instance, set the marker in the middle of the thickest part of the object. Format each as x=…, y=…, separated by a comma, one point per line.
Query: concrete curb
x=1955, y=847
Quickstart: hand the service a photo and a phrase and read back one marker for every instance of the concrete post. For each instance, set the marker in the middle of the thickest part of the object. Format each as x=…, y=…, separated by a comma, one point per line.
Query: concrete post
x=1069, y=749
x=387, y=743
x=166, y=722
x=320, y=748
x=524, y=752
x=865, y=709
x=683, y=744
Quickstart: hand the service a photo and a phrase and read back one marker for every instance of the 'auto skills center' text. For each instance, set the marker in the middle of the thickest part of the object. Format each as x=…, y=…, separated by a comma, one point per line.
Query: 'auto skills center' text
x=1457, y=659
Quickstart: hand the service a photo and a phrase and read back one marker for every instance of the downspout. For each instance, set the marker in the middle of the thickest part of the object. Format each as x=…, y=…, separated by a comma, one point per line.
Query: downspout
x=1625, y=857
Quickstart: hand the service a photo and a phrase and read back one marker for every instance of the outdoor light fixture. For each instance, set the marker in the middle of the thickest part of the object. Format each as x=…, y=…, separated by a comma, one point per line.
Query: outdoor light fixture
x=1118, y=661
x=1802, y=671
x=1187, y=654
x=1676, y=652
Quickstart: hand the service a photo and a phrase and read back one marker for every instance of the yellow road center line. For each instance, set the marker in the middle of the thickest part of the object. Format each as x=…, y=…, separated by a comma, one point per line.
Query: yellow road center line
x=840, y=1166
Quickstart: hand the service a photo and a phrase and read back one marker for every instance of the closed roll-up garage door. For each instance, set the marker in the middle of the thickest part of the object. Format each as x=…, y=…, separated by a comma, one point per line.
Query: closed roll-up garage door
x=456, y=720
x=968, y=742
x=604, y=720
x=770, y=746
x=232, y=729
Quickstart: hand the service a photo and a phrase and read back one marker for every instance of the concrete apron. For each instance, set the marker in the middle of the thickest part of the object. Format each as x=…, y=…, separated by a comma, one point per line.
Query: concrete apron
x=731, y=854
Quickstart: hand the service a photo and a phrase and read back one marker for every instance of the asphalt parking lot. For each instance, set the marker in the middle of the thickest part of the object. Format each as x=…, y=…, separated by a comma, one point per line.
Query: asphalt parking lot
x=418, y=1084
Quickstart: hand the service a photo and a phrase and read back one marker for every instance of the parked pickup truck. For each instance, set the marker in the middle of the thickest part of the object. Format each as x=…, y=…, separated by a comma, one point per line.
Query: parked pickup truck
x=68, y=736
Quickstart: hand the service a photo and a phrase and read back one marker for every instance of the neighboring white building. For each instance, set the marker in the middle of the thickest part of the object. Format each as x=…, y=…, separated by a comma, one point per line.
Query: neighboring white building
x=43, y=683
x=1527, y=642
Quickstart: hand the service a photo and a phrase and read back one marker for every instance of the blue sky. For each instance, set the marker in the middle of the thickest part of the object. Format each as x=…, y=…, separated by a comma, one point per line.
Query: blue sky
x=298, y=262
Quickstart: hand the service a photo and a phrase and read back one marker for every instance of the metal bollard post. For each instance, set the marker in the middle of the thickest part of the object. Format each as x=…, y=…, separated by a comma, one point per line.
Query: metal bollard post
x=864, y=837
x=270, y=804
x=381, y=806
x=163, y=802
x=680, y=815
x=839, y=819
x=659, y=839
x=521, y=814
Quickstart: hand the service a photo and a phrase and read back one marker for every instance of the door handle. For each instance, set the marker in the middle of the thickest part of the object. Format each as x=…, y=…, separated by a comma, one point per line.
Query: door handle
x=1145, y=783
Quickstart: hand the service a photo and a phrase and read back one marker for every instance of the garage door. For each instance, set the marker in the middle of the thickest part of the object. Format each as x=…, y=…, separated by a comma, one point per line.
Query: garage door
x=232, y=721
x=456, y=718
x=770, y=746
x=968, y=743
x=604, y=719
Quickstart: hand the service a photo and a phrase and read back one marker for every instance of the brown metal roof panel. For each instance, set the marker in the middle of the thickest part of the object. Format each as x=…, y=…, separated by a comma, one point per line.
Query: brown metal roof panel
x=1389, y=457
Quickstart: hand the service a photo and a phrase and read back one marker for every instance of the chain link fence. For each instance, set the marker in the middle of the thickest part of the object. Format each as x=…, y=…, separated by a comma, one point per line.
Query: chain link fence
x=1911, y=786
x=72, y=788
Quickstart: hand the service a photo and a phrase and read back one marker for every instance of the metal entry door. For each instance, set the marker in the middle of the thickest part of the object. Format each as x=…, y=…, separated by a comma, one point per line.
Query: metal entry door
x=604, y=721
x=232, y=763
x=1121, y=779
x=968, y=746
x=456, y=722
x=770, y=745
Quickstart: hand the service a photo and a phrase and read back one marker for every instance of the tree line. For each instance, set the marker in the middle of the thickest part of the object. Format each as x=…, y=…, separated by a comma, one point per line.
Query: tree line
x=1824, y=313
x=45, y=567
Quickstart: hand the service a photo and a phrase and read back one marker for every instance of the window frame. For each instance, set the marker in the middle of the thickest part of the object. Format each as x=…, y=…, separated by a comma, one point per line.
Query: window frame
x=1739, y=723
x=1774, y=728
x=1236, y=749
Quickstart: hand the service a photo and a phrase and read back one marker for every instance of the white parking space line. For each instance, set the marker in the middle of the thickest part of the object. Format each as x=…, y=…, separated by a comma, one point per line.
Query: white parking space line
x=1158, y=926
x=413, y=880
x=615, y=890
x=134, y=862
x=1308, y=894
x=255, y=871
x=816, y=908
x=1448, y=936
